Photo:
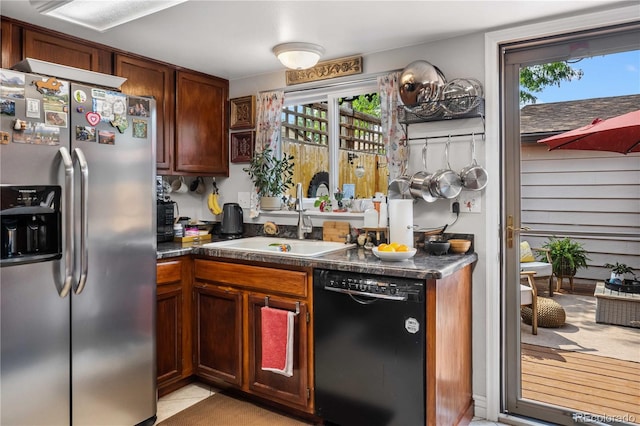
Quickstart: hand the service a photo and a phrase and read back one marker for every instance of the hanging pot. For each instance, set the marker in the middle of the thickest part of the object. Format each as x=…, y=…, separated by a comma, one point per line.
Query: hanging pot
x=399, y=188
x=446, y=183
x=474, y=176
x=419, y=185
x=416, y=184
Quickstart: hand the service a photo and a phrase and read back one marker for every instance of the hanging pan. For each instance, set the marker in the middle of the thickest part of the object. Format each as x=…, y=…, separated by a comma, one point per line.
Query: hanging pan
x=474, y=176
x=420, y=181
x=446, y=183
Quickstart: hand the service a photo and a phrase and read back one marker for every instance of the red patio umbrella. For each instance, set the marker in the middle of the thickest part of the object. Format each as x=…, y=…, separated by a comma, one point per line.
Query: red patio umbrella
x=618, y=134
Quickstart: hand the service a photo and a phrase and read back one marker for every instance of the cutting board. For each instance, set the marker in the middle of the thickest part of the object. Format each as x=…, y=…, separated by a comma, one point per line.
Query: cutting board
x=335, y=231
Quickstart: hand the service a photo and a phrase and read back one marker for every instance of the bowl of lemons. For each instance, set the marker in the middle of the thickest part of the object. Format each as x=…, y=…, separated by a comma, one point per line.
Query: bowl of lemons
x=393, y=252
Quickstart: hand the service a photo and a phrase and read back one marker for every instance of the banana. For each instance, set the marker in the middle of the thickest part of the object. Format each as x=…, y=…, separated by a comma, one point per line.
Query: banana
x=213, y=204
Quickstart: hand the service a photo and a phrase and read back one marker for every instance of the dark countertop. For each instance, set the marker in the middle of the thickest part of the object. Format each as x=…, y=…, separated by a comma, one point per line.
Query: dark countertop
x=421, y=266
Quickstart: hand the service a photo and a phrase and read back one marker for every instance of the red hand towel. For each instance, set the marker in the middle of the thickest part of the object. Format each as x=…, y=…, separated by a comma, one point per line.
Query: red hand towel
x=277, y=340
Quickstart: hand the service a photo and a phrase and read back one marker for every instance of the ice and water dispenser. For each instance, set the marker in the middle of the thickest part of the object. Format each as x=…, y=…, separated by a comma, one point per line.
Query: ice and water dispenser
x=30, y=223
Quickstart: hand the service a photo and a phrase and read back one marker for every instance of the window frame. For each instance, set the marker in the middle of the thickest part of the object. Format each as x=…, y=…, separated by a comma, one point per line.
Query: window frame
x=331, y=95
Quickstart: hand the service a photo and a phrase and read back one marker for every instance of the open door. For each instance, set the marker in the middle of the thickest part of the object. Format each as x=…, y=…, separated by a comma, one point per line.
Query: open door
x=565, y=381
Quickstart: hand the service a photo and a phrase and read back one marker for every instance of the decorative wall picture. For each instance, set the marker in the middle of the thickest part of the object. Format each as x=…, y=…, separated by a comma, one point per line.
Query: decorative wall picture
x=325, y=70
x=243, y=112
x=242, y=146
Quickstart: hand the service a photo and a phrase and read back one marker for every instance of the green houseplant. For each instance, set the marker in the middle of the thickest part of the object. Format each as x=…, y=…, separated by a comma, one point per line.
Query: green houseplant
x=618, y=270
x=270, y=175
x=324, y=202
x=567, y=256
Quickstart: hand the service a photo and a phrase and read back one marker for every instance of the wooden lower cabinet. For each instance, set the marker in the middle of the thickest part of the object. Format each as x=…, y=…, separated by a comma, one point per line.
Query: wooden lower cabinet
x=294, y=389
x=228, y=342
x=218, y=343
x=173, y=324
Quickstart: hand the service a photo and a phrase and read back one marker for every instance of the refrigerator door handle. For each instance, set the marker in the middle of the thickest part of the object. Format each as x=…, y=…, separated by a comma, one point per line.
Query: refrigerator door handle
x=68, y=222
x=84, y=203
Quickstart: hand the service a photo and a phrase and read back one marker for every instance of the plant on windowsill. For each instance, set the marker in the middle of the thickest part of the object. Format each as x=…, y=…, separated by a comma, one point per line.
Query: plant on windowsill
x=567, y=256
x=271, y=176
x=324, y=202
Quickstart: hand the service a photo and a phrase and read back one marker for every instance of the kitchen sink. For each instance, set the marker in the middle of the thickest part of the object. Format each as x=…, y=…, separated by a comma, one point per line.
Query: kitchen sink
x=305, y=248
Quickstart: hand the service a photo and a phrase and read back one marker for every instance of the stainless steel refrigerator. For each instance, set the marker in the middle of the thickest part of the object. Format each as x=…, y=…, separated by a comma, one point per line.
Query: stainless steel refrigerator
x=77, y=275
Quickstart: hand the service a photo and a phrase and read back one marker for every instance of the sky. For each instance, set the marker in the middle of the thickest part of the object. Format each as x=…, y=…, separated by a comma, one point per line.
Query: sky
x=611, y=75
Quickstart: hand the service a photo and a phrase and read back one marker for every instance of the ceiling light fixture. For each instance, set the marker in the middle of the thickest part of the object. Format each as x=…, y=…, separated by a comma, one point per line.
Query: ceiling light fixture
x=298, y=56
x=101, y=15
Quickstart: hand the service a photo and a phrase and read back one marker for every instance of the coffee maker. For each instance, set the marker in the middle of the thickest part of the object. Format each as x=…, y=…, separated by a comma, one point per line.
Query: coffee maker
x=30, y=223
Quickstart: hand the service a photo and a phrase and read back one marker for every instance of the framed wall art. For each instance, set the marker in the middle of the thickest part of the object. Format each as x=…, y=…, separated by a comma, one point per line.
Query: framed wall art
x=242, y=146
x=243, y=112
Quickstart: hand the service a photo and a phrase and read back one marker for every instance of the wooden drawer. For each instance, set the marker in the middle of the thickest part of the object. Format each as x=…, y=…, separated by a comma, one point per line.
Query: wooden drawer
x=253, y=277
x=169, y=272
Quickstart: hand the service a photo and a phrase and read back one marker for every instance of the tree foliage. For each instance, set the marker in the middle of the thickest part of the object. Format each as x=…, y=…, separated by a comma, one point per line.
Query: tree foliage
x=535, y=78
x=368, y=104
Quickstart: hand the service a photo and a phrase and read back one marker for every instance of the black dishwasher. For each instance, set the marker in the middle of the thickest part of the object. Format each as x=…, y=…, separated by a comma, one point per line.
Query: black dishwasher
x=369, y=349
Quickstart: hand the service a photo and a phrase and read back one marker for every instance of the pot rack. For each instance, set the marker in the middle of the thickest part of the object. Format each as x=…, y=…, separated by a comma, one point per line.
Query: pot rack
x=412, y=115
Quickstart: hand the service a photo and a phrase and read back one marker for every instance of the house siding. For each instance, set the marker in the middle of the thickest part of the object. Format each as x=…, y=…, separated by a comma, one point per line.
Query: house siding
x=591, y=197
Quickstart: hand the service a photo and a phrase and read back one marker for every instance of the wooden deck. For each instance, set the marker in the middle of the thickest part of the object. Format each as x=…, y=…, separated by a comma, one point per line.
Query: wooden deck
x=582, y=382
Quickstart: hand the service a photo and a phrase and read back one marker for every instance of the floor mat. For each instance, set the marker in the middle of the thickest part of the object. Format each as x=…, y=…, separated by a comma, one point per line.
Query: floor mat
x=223, y=410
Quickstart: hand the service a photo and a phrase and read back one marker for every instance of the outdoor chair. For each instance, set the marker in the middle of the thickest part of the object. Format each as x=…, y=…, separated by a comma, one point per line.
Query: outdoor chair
x=529, y=296
x=528, y=262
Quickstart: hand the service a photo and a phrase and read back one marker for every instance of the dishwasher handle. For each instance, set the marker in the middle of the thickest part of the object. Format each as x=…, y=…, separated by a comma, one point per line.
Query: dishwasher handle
x=364, y=293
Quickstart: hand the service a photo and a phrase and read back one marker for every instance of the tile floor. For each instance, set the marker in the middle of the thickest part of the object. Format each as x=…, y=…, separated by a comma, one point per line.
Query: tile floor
x=177, y=401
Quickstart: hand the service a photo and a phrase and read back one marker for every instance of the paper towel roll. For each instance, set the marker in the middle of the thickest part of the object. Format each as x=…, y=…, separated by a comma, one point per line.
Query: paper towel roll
x=401, y=222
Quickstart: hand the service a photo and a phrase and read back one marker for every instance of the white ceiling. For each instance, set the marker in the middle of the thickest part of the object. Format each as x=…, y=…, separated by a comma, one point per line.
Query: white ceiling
x=233, y=39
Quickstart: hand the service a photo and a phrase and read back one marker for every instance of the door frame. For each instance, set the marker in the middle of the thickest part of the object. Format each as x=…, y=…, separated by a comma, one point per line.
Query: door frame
x=495, y=266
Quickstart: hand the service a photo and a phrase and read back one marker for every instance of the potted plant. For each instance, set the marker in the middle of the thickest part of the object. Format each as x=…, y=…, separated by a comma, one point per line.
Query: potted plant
x=618, y=271
x=271, y=176
x=324, y=202
x=567, y=256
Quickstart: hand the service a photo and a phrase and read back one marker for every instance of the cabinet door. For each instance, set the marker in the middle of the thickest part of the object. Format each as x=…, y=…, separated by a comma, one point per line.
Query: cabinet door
x=287, y=390
x=169, y=333
x=11, y=43
x=201, y=125
x=149, y=78
x=66, y=51
x=218, y=321
x=173, y=323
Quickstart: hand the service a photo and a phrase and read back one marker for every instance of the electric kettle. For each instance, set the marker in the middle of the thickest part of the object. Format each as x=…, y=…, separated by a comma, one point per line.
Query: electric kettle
x=232, y=219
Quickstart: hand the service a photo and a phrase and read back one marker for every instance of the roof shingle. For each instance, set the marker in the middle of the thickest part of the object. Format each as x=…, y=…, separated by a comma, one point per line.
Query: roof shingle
x=559, y=117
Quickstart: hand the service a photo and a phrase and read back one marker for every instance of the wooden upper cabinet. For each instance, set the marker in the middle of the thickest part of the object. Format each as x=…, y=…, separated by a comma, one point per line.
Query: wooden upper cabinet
x=201, y=145
x=10, y=38
x=68, y=52
x=149, y=78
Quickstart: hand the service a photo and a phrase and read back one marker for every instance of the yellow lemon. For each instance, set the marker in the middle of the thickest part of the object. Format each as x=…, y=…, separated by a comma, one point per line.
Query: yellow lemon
x=402, y=247
x=394, y=245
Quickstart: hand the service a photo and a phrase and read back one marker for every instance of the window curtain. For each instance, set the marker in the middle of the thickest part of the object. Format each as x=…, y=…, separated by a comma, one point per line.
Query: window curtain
x=268, y=120
x=393, y=135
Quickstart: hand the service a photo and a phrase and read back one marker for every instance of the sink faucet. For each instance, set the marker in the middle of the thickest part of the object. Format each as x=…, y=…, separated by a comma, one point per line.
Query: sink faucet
x=304, y=222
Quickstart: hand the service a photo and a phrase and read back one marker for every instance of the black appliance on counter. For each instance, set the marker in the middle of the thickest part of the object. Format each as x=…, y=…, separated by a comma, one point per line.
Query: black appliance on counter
x=232, y=220
x=165, y=215
x=369, y=349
